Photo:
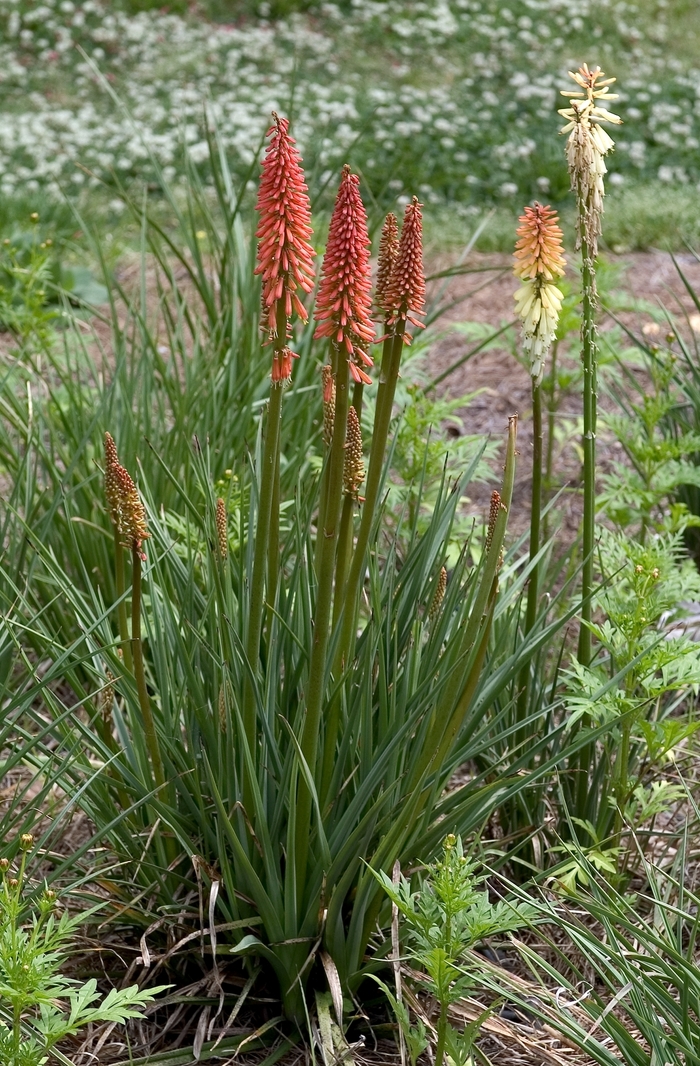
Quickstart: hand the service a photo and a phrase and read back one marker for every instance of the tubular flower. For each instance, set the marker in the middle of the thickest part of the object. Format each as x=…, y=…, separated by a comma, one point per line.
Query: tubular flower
x=353, y=467
x=587, y=146
x=282, y=366
x=285, y=257
x=344, y=302
x=388, y=250
x=125, y=507
x=328, y=403
x=405, y=292
x=539, y=263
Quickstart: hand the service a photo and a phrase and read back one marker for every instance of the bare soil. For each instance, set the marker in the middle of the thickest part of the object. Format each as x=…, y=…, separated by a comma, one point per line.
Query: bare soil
x=648, y=276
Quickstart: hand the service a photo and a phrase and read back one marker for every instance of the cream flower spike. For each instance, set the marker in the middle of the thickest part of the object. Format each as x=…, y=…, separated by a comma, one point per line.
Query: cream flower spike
x=587, y=146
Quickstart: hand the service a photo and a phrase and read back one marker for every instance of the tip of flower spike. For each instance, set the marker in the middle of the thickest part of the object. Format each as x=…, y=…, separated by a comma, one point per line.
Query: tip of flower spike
x=538, y=250
x=388, y=251
x=344, y=302
x=125, y=507
x=285, y=256
x=405, y=293
x=439, y=594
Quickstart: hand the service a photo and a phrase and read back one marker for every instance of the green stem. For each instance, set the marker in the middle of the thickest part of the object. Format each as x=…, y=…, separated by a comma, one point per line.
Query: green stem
x=344, y=555
x=347, y=592
x=589, y=358
x=391, y=359
x=621, y=784
x=121, y=609
x=263, y=541
x=441, y=1036
x=535, y=522
x=140, y=674
x=322, y=615
x=357, y=394
x=551, y=399
x=273, y=559
x=321, y=518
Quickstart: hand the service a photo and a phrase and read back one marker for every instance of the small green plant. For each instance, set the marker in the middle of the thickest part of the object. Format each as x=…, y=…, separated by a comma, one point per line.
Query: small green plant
x=643, y=495
x=39, y=1006
x=637, y=686
x=447, y=916
x=27, y=282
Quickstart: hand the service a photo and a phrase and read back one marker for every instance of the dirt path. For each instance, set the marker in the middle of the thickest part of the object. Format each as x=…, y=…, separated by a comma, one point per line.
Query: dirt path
x=648, y=277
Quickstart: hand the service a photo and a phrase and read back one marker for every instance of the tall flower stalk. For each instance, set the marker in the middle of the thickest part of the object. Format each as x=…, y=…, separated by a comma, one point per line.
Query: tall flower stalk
x=343, y=309
x=587, y=145
x=285, y=263
x=129, y=520
x=401, y=302
x=539, y=263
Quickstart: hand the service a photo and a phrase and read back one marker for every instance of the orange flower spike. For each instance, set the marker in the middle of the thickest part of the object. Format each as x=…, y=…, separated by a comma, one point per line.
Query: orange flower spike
x=405, y=297
x=388, y=250
x=285, y=256
x=538, y=250
x=344, y=302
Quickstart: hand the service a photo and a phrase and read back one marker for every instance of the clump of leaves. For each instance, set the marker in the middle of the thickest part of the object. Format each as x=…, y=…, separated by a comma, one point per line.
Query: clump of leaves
x=38, y=1005
x=445, y=917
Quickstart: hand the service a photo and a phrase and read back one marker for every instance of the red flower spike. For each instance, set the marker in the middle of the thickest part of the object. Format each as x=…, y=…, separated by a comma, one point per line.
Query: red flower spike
x=344, y=301
x=388, y=250
x=405, y=295
x=285, y=257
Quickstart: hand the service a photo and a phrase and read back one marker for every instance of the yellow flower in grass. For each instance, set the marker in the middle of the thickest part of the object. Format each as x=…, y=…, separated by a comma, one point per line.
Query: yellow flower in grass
x=539, y=263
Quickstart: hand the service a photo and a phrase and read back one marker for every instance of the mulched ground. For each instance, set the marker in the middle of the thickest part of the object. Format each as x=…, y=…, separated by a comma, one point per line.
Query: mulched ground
x=649, y=276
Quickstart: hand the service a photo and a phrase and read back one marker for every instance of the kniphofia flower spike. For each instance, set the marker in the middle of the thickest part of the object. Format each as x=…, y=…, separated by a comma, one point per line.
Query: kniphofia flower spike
x=344, y=302
x=539, y=263
x=405, y=292
x=285, y=256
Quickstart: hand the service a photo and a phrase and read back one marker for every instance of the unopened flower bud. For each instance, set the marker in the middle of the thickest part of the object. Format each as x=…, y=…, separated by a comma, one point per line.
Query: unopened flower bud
x=26, y=841
x=494, y=511
x=221, y=528
x=439, y=594
x=353, y=467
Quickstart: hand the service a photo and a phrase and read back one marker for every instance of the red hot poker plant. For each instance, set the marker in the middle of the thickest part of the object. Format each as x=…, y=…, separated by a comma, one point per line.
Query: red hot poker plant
x=344, y=302
x=285, y=262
